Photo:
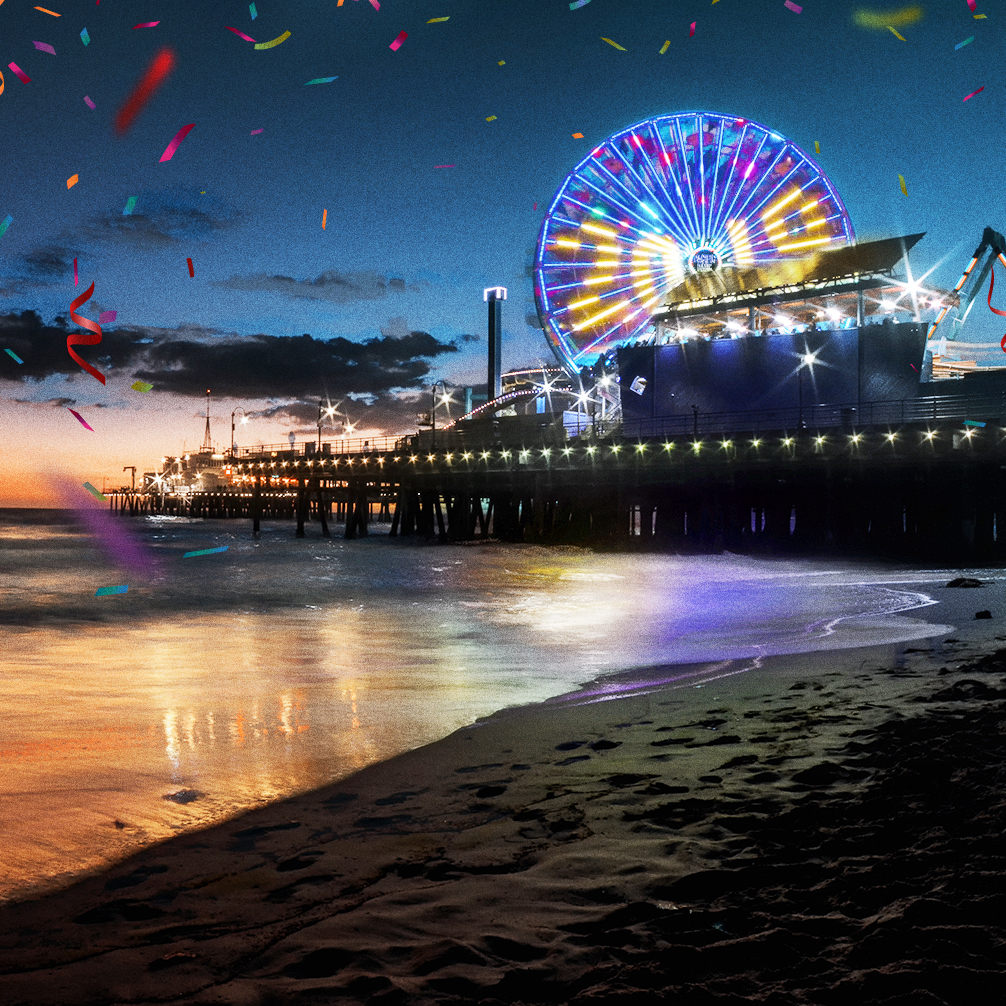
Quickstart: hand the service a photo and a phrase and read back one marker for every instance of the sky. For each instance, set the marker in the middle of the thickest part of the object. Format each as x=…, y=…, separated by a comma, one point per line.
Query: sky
x=369, y=310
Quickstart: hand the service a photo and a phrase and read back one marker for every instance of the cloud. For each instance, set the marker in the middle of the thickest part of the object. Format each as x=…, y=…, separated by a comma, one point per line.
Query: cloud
x=55, y=403
x=335, y=287
x=188, y=360
x=391, y=413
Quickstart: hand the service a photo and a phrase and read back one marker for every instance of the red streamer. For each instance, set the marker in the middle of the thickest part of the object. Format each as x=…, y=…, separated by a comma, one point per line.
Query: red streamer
x=79, y=338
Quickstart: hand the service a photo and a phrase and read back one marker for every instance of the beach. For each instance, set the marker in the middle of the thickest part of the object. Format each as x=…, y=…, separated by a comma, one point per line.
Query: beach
x=808, y=828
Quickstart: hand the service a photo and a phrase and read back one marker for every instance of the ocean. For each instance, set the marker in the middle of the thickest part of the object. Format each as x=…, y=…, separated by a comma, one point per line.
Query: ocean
x=221, y=682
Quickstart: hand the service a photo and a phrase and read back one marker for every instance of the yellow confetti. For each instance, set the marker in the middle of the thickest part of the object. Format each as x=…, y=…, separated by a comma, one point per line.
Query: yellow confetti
x=817, y=147
x=979, y=17
x=901, y=180
x=615, y=44
x=879, y=20
x=502, y=62
x=434, y=20
x=663, y=48
x=490, y=119
x=72, y=180
x=889, y=28
x=274, y=42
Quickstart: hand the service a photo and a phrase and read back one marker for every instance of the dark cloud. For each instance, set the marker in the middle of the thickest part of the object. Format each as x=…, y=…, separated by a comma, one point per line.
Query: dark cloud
x=55, y=403
x=188, y=360
x=391, y=413
x=336, y=287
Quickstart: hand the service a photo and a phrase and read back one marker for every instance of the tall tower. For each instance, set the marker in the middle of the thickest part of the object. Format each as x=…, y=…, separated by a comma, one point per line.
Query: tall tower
x=494, y=296
x=207, y=442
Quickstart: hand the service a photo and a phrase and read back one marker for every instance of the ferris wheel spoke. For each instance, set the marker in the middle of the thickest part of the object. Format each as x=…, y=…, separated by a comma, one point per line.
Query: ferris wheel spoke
x=719, y=223
x=683, y=174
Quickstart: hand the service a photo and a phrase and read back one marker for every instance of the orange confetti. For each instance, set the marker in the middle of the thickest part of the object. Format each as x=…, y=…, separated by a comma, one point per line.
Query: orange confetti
x=72, y=180
x=324, y=217
x=52, y=12
x=578, y=136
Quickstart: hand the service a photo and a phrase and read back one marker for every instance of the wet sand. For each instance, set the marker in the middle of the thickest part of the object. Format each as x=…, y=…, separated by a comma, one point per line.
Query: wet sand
x=825, y=829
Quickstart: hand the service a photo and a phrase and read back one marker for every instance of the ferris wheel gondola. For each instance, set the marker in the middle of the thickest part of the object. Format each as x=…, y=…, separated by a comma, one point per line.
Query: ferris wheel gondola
x=669, y=197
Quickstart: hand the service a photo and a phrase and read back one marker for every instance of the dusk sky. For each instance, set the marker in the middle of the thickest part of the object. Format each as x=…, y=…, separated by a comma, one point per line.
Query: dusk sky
x=390, y=291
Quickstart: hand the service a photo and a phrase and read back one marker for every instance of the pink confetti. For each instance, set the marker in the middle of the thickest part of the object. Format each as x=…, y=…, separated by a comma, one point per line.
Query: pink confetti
x=88, y=102
x=973, y=93
x=691, y=29
x=247, y=38
x=146, y=24
x=24, y=78
x=443, y=165
x=44, y=46
x=254, y=131
x=397, y=44
x=972, y=5
x=375, y=4
x=792, y=6
x=169, y=150
x=81, y=418
x=74, y=272
x=106, y=316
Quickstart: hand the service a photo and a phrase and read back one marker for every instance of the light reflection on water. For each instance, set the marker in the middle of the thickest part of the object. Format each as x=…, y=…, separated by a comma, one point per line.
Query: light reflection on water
x=243, y=681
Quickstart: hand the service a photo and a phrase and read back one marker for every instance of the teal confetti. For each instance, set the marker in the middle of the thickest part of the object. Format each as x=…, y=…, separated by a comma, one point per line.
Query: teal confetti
x=13, y=354
x=102, y=591
x=206, y=551
x=130, y=205
x=84, y=37
x=321, y=80
x=5, y=225
x=254, y=13
x=960, y=45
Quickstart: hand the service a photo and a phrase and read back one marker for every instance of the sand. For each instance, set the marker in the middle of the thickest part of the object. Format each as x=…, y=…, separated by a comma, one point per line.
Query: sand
x=827, y=829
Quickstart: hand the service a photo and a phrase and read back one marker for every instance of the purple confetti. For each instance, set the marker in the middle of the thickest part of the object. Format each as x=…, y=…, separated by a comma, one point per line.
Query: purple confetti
x=254, y=131
x=106, y=316
x=88, y=102
x=44, y=46
x=792, y=6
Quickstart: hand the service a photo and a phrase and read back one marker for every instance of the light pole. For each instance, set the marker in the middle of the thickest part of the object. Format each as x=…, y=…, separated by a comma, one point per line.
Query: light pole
x=444, y=399
x=328, y=412
x=131, y=468
x=807, y=360
x=244, y=421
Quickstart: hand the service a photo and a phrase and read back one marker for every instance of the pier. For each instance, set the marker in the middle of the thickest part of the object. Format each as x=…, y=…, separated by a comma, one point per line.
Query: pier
x=921, y=479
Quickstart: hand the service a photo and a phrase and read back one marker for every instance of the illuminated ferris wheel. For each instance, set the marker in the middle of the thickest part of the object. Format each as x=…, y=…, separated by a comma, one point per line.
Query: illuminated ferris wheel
x=666, y=198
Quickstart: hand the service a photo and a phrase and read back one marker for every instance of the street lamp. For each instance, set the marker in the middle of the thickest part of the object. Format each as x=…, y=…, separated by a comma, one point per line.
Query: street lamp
x=445, y=398
x=807, y=360
x=244, y=422
x=328, y=412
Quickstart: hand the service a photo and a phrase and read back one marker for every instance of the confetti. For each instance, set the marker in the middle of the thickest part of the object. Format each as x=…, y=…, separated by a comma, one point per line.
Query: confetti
x=13, y=355
x=156, y=74
x=103, y=591
x=88, y=102
x=192, y=272
x=22, y=76
x=972, y=4
x=444, y=165
x=896, y=35
x=254, y=13
x=140, y=386
x=375, y=4
x=94, y=492
x=247, y=38
x=817, y=147
x=80, y=417
x=490, y=118
x=74, y=272
x=960, y=45
x=206, y=551
x=992, y=283
x=979, y=17
x=973, y=93
x=84, y=37
x=52, y=12
x=276, y=41
x=79, y=339
x=901, y=182
x=578, y=136
x=879, y=20
x=792, y=6
x=321, y=80
x=5, y=225
x=691, y=29
x=324, y=218
x=106, y=316
x=397, y=44
x=579, y=3
x=146, y=24
x=535, y=206
x=72, y=180
x=615, y=44
x=44, y=47
x=130, y=206
x=665, y=47
x=434, y=20
x=169, y=150
x=1, y=82
x=502, y=62
x=252, y=133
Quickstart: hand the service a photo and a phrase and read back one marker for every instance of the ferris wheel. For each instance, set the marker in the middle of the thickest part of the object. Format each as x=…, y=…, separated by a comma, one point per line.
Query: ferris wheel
x=663, y=199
